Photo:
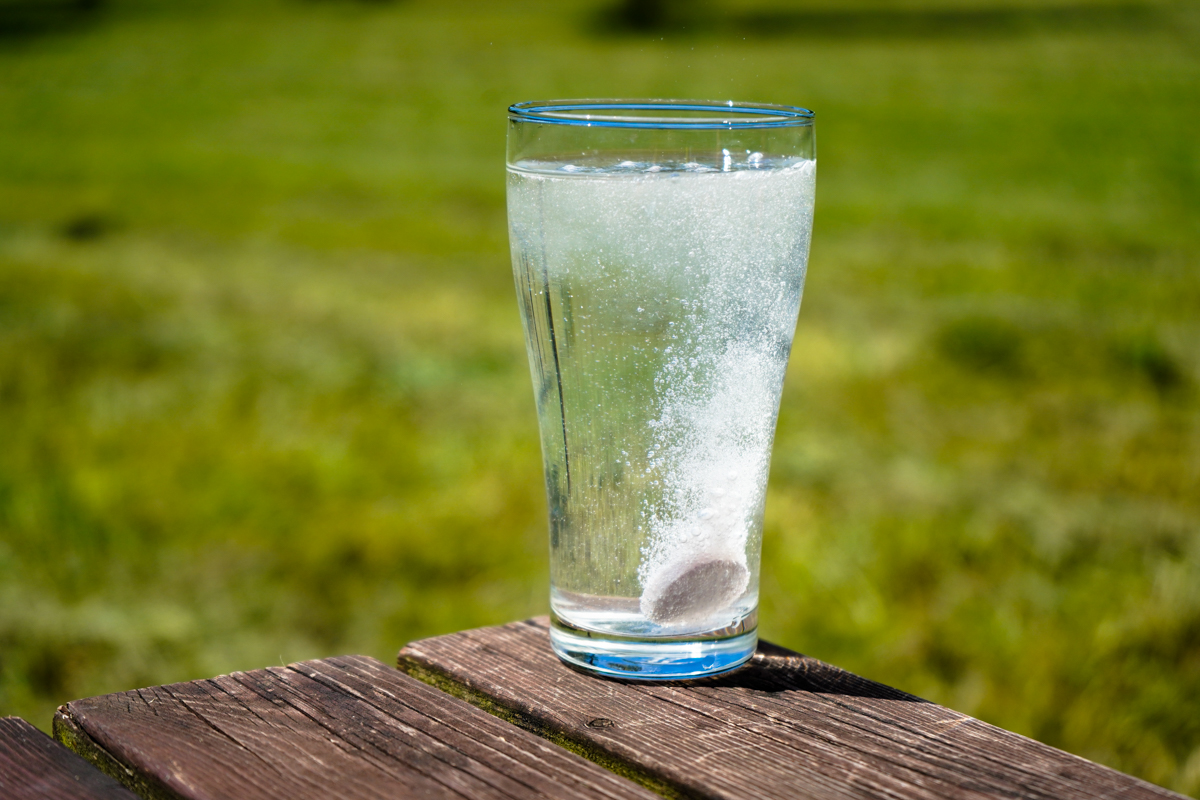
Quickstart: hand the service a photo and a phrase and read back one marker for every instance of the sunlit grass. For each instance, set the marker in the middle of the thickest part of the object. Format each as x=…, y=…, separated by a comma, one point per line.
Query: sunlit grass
x=263, y=393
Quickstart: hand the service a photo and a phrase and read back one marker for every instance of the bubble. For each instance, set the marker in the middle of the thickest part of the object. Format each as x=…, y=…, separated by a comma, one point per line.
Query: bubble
x=704, y=453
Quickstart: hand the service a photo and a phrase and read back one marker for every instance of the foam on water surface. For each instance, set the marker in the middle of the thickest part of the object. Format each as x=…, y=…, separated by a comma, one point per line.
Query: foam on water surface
x=727, y=162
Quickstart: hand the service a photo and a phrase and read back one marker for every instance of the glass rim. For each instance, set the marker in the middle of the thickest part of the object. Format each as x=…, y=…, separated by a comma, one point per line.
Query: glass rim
x=726, y=115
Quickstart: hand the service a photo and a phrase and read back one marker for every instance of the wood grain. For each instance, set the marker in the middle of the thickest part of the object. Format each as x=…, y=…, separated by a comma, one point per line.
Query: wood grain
x=784, y=726
x=35, y=767
x=348, y=727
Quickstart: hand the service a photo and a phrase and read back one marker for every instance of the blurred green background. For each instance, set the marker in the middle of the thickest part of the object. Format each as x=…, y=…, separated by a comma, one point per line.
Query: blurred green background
x=264, y=397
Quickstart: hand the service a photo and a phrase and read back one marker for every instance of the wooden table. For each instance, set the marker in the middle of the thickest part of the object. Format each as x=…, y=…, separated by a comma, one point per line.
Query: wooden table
x=491, y=713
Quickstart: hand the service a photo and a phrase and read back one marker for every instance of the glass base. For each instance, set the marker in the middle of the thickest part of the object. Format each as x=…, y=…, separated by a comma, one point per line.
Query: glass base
x=650, y=659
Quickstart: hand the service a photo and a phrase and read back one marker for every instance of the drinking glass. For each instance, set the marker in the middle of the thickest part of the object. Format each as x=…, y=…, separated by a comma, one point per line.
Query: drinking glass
x=659, y=249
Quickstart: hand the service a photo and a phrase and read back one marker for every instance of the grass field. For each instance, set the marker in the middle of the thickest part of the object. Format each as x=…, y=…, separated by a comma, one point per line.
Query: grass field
x=263, y=393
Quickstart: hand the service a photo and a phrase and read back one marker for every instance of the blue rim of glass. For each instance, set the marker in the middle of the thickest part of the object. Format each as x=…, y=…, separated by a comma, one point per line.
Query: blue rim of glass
x=728, y=115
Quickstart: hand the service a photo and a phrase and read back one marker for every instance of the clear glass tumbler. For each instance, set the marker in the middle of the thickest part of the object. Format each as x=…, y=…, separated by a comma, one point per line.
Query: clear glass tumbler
x=659, y=249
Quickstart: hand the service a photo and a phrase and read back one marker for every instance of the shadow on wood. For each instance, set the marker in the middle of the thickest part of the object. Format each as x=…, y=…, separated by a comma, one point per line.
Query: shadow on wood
x=784, y=725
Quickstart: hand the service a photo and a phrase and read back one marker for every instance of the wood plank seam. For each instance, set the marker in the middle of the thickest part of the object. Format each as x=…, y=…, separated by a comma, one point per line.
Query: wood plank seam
x=69, y=733
x=368, y=750
x=563, y=726
x=444, y=722
x=563, y=734
x=83, y=744
x=378, y=756
x=346, y=727
x=35, y=767
x=798, y=721
x=576, y=744
x=342, y=687
x=593, y=740
x=711, y=687
x=779, y=752
x=1041, y=778
x=370, y=755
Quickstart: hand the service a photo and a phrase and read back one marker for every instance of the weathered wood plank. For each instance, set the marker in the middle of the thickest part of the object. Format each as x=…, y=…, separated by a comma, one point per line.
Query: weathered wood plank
x=35, y=767
x=348, y=727
x=783, y=726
